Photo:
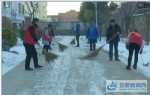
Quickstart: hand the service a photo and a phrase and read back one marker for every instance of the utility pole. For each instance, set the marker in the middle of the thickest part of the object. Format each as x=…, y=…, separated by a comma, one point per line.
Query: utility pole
x=95, y=5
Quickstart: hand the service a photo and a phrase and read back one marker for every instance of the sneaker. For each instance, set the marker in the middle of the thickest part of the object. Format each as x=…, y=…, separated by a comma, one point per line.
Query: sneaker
x=38, y=66
x=29, y=69
x=117, y=59
x=128, y=68
x=110, y=59
x=77, y=45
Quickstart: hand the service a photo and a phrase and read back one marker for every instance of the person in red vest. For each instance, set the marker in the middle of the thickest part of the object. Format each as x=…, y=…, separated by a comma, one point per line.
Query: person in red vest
x=46, y=38
x=135, y=42
x=30, y=39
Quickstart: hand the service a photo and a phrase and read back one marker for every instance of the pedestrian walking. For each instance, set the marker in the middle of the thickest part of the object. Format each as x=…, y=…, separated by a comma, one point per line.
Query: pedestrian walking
x=135, y=44
x=111, y=31
x=30, y=39
x=46, y=38
x=78, y=32
x=92, y=35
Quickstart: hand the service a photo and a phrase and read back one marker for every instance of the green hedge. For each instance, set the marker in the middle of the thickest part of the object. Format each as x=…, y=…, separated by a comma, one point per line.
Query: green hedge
x=9, y=36
x=21, y=33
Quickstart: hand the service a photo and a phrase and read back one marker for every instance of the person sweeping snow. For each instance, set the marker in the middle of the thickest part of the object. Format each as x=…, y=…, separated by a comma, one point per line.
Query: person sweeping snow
x=135, y=42
x=46, y=38
x=30, y=39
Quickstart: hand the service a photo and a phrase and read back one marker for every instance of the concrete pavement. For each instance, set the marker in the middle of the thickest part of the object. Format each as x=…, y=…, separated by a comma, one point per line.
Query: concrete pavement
x=81, y=77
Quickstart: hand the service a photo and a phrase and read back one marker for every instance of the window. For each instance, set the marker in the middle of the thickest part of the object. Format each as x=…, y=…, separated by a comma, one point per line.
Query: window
x=19, y=8
x=5, y=4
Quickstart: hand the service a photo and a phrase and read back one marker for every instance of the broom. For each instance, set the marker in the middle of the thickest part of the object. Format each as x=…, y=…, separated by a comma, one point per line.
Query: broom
x=95, y=53
x=73, y=42
x=61, y=46
x=49, y=57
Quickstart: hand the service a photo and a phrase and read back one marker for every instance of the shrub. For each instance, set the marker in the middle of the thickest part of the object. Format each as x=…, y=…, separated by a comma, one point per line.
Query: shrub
x=21, y=33
x=9, y=36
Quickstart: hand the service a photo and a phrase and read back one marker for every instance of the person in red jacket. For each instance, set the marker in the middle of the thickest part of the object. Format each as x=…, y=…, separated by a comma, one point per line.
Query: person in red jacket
x=135, y=42
x=46, y=38
x=30, y=39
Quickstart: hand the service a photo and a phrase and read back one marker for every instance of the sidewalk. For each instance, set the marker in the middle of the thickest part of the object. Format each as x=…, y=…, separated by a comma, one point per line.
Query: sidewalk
x=76, y=77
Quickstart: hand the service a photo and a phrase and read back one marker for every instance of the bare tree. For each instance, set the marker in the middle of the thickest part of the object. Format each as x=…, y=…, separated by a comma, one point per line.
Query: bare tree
x=126, y=12
x=32, y=8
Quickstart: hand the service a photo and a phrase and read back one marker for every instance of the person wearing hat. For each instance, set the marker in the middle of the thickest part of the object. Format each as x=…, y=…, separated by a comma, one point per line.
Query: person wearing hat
x=111, y=31
x=30, y=39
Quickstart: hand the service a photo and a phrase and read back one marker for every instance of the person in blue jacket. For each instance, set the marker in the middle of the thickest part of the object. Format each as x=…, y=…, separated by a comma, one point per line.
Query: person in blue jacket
x=78, y=32
x=92, y=35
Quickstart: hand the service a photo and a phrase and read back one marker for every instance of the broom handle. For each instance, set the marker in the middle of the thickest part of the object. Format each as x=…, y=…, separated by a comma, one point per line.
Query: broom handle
x=111, y=38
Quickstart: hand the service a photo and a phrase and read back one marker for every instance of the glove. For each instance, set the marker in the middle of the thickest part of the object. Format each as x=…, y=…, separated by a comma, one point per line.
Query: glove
x=141, y=51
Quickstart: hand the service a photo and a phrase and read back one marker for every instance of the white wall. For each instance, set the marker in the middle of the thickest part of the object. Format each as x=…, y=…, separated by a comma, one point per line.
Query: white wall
x=12, y=11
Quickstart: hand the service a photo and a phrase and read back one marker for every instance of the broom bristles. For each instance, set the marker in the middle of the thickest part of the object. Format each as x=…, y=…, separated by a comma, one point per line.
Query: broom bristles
x=73, y=42
x=49, y=57
x=92, y=54
x=62, y=47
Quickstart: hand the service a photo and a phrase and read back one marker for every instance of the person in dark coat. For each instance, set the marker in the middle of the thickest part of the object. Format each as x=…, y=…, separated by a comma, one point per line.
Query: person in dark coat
x=30, y=39
x=111, y=31
x=135, y=42
x=92, y=35
x=78, y=32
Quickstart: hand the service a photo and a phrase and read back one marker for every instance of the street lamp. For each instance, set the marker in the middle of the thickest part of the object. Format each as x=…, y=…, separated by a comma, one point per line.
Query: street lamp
x=95, y=5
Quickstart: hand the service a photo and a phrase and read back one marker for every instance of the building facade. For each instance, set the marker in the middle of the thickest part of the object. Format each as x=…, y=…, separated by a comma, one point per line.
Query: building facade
x=14, y=11
x=68, y=16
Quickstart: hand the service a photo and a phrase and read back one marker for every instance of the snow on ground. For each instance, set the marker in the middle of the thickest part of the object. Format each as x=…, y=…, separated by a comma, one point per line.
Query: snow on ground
x=81, y=78
x=10, y=60
x=68, y=74
x=142, y=58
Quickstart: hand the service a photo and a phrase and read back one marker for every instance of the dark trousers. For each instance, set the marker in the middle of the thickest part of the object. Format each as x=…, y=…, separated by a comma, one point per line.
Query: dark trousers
x=115, y=44
x=46, y=47
x=77, y=39
x=92, y=44
x=132, y=47
x=30, y=52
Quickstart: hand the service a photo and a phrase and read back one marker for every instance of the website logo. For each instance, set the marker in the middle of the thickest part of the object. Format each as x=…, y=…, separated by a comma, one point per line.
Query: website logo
x=126, y=85
x=112, y=86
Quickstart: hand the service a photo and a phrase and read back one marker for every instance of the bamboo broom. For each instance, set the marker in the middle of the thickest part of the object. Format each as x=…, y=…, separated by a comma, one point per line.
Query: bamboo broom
x=73, y=42
x=61, y=46
x=49, y=57
x=95, y=53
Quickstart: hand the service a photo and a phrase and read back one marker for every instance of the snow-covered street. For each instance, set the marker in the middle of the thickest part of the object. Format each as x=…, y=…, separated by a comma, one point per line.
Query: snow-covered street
x=69, y=75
